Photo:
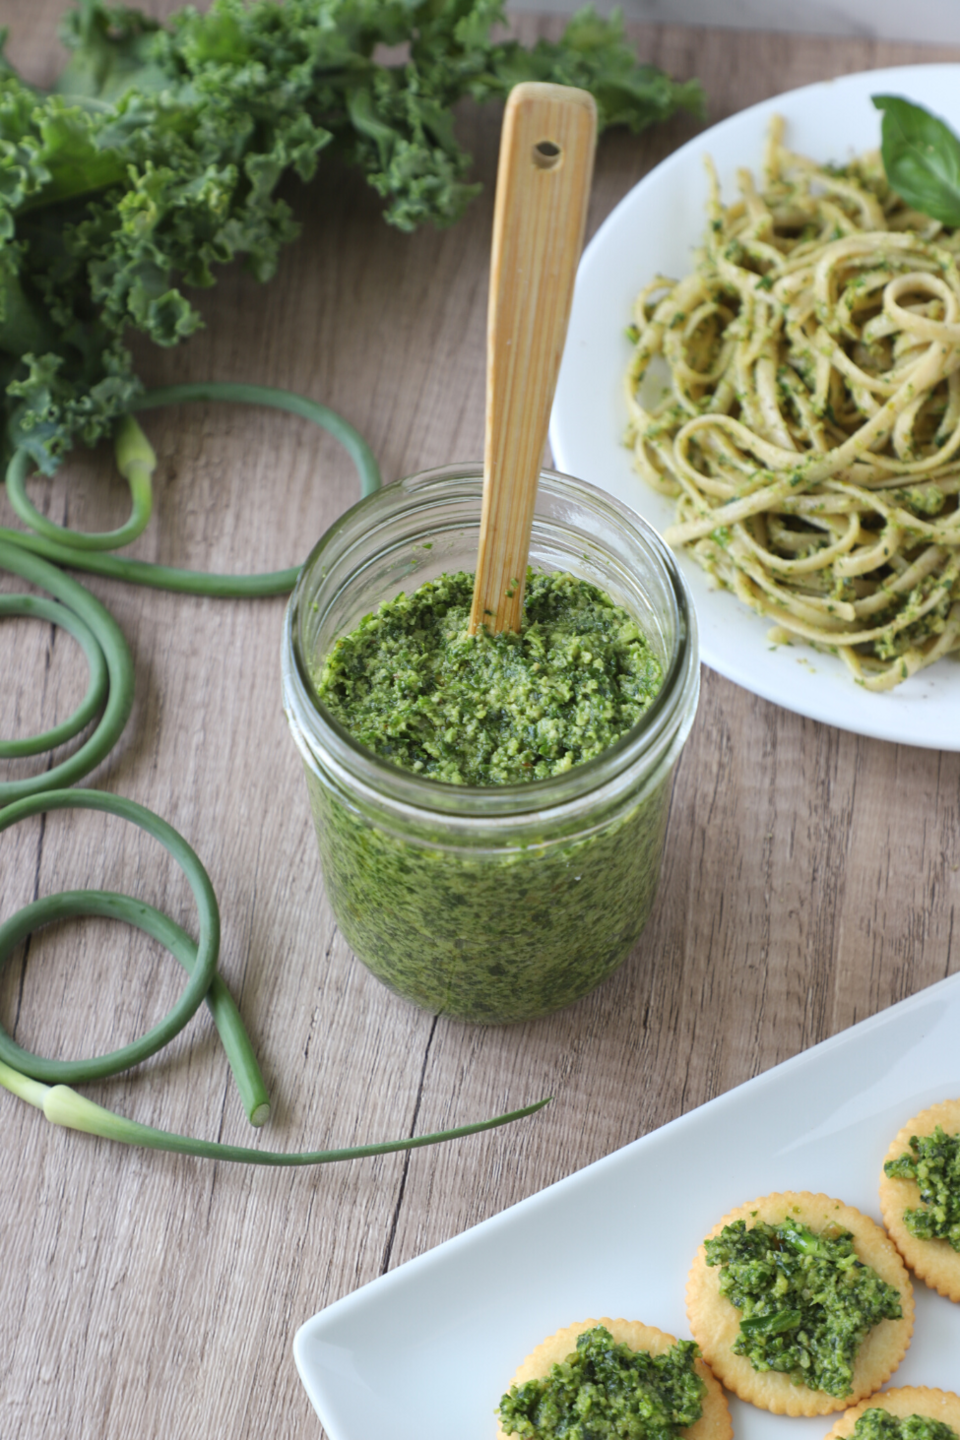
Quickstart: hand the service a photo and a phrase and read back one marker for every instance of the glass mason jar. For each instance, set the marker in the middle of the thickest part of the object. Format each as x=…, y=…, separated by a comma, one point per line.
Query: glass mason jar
x=497, y=903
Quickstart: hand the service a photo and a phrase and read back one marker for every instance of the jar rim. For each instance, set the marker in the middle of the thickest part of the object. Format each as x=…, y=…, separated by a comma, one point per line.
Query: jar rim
x=642, y=745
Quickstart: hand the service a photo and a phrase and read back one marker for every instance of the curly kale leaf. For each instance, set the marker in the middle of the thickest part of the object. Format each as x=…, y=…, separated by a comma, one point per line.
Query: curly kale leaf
x=594, y=55
x=157, y=156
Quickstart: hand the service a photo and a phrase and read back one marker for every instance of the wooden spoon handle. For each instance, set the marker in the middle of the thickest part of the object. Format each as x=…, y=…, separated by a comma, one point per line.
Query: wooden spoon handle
x=543, y=186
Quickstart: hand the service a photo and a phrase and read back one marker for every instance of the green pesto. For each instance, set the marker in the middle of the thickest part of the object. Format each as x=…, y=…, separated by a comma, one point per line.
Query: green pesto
x=606, y=1391
x=491, y=936
x=412, y=685
x=933, y=1162
x=501, y=931
x=807, y=1302
x=878, y=1424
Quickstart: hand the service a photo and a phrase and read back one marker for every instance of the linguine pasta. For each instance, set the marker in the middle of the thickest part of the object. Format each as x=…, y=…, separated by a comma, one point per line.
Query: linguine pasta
x=809, y=416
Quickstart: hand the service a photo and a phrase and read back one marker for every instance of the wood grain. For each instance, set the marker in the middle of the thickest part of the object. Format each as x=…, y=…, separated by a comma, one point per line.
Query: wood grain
x=811, y=877
x=540, y=212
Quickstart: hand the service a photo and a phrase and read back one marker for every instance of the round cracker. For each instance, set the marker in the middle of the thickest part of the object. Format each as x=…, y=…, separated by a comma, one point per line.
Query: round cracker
x=908, y=1400
x=715, y=1322
x=714, y=1423
x=933, y=1261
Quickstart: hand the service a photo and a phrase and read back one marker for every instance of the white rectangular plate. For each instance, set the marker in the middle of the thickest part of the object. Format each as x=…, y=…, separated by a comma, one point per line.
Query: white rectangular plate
x=425, y=1352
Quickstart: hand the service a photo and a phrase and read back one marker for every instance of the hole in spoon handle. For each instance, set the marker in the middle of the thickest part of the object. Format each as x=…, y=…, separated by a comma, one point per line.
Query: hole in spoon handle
x=547, y=154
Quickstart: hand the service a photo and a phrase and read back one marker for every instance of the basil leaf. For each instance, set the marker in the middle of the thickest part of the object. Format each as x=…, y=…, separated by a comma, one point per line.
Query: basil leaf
x=921, y=156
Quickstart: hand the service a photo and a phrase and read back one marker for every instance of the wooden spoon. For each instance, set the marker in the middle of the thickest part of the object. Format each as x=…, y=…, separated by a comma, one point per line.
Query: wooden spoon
x=543, y=186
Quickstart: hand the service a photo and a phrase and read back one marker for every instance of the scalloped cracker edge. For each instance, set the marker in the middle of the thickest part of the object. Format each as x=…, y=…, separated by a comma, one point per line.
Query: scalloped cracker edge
x=715, y=1322
x=935, y=1262
x=908, y=1400
x=714, y=1423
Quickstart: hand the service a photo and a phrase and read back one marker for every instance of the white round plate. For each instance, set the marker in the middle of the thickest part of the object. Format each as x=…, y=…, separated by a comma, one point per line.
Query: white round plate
x=654, y=230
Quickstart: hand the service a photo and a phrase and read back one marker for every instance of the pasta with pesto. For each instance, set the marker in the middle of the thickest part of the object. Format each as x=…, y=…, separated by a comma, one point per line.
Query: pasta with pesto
x=809, y=417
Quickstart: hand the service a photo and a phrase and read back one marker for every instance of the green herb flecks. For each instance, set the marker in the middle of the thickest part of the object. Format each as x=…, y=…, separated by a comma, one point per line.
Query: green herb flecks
x=412, y=685
x=500, y=935
x=490, y=938
x=921, y=156
x=807, y=1301
x=933, y=1163
x=879, y=1424
x=605, y=1390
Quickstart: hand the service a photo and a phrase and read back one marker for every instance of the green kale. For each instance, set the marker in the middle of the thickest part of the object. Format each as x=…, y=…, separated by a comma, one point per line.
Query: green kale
x=158, y=155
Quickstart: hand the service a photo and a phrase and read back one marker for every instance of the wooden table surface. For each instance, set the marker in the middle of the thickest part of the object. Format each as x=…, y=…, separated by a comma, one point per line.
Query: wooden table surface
x=810, y=876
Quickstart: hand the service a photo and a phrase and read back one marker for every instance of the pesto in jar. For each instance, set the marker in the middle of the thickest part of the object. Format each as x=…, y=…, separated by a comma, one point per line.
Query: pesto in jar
x=933, y=1163
x=807, y=1301
x=879, y=1424
x=605, y=1390
x=481, y=919
x=498, y=933
x=415, y=687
